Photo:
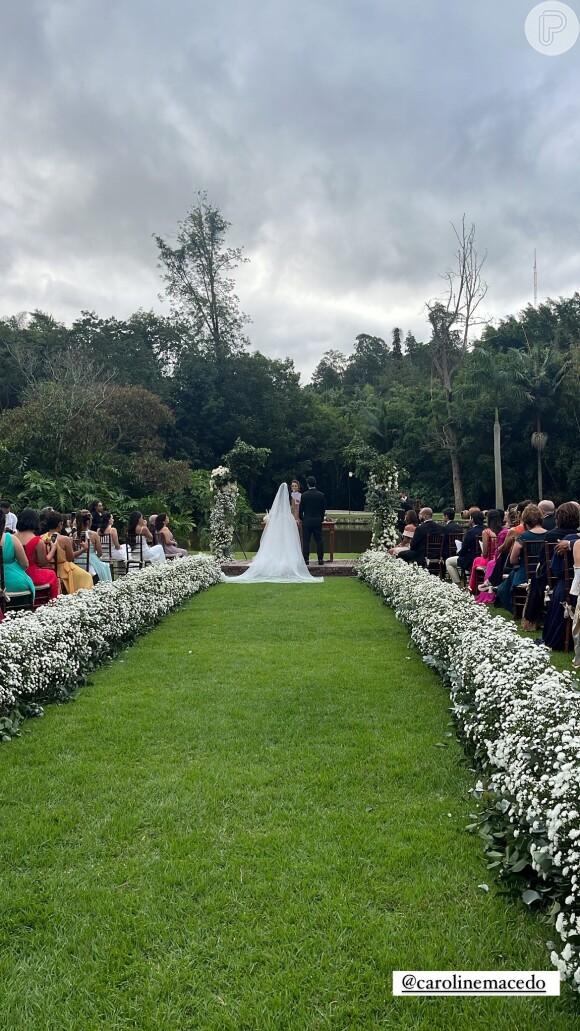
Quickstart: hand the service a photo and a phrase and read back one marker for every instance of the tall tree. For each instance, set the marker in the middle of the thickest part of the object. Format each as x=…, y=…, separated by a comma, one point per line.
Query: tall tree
x=197, y=275
x=452, y=318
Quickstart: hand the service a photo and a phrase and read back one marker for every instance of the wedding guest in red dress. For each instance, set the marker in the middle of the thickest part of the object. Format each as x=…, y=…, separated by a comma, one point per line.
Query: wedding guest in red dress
x=39, y=569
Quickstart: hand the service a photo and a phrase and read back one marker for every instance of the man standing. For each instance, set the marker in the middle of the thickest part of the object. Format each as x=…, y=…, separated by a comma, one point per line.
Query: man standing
x=417, y=548
x=11, y=519
x=311, y=514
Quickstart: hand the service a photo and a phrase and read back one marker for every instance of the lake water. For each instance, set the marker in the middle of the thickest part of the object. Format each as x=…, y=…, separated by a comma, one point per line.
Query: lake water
x=346, y=539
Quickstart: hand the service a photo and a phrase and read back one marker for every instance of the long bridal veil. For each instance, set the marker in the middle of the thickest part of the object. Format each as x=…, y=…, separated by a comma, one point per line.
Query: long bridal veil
x=279, y=558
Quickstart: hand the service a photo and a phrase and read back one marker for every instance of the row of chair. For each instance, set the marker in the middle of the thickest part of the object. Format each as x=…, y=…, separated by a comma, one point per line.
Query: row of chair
x=532, y=554
x=134, y=559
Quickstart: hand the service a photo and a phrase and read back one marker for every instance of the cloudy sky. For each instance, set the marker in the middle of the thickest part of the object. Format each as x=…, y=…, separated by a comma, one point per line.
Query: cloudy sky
x=339, y=137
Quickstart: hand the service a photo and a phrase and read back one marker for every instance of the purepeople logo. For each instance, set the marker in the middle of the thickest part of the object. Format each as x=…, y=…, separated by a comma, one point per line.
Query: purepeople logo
x=552, y=28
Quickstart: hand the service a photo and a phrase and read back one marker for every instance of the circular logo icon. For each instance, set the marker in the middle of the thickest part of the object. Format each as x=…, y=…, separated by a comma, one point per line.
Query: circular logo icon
x=552, y=28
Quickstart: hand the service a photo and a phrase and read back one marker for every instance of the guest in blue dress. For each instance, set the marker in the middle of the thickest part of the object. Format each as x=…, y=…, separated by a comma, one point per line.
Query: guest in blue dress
x=96, y=565
x=534, y=531
x=14, y=560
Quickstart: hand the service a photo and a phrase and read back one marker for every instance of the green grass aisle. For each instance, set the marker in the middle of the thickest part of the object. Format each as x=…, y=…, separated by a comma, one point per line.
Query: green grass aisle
x=247, y=824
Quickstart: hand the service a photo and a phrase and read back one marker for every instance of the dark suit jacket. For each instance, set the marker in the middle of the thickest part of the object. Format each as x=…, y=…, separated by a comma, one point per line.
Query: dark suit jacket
x=450, y=531
x=312, y=506
x=419, y=542
x=470, y=549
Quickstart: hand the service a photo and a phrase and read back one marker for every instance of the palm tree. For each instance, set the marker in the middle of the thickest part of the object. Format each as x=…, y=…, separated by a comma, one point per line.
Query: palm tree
x=539, y=372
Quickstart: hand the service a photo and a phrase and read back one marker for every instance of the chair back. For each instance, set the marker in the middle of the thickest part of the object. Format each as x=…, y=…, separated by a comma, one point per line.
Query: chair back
x=134, y=549
x=84, y=561
x=105, y=539
x=9, y=601
x=532, y=552
x=3, y=598
x=433, y=552
x=549, y=554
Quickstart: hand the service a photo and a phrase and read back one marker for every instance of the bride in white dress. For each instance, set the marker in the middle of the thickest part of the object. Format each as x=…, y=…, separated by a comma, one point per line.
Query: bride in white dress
x=279, y=558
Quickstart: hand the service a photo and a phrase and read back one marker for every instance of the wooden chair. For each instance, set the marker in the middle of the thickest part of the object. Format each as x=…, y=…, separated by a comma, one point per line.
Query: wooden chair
x=13, y=601
x=550, y=578
x=106, y=545
x=134, y=550
x=83, y=562
x=433, y=553
x=532, y=551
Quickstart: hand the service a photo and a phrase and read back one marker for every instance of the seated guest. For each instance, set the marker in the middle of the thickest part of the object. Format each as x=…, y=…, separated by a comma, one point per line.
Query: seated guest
x=40, y=570
x=137, y=527
x=97, y=567
x=548, y=510
x=575, y=591
x=14, y=561
x=450, y=531
x=533, y=531
x=487, y=591
x=410, y=524
x=165, y=537
x=516, y=527
x=9, y=517
x=469, y=549
x=489, y=540
x=71, y=576
x=96, y=511
x=111, y=551
x=567, y=521
x=554, y=629
x=418, y=545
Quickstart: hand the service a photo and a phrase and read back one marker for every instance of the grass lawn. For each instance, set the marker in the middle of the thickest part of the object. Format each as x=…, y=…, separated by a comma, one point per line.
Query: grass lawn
x=246, y=823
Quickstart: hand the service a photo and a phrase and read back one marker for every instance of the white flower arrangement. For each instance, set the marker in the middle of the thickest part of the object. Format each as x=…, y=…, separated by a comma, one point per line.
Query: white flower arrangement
x=520, y=718
x=46, y=654
x=382, y=499
x=224, y=491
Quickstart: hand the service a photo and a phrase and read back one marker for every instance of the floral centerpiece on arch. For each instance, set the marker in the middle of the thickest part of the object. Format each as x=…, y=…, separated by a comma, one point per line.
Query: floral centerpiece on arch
x=224, y=492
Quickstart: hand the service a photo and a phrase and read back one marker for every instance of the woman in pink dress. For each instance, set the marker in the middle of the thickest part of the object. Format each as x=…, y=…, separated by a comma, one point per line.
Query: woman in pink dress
x=489, y=544
x=40, y=570
x=165, y=537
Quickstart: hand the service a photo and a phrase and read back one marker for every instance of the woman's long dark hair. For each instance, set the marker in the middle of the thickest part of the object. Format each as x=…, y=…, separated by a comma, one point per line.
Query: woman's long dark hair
x=134, y=519
x=83, y=521
x=105, y=519
x=159, y=521
x=495, y=520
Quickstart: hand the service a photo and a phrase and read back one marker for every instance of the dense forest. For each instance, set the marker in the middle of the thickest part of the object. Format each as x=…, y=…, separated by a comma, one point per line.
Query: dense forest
x=139, y=410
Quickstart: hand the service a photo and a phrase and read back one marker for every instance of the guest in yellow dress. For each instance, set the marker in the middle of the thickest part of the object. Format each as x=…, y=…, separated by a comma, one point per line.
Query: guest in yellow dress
x=72, y=577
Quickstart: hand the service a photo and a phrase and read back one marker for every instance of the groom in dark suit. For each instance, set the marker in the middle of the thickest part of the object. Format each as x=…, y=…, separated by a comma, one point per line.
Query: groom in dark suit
x=311, y=515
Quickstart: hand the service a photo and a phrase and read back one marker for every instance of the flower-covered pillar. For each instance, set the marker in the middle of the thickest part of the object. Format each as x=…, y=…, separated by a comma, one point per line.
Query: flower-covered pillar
x=224, y=491
x=383, y=501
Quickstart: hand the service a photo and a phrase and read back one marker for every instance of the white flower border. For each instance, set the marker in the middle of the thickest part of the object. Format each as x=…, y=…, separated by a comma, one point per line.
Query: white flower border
x=46, y=654
x=519, y=714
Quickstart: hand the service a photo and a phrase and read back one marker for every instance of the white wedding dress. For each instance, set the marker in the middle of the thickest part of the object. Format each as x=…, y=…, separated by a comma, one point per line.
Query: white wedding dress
x=279, y=558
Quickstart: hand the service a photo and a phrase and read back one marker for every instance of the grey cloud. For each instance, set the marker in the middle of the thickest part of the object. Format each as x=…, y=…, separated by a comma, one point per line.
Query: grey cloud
x=339, y=139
